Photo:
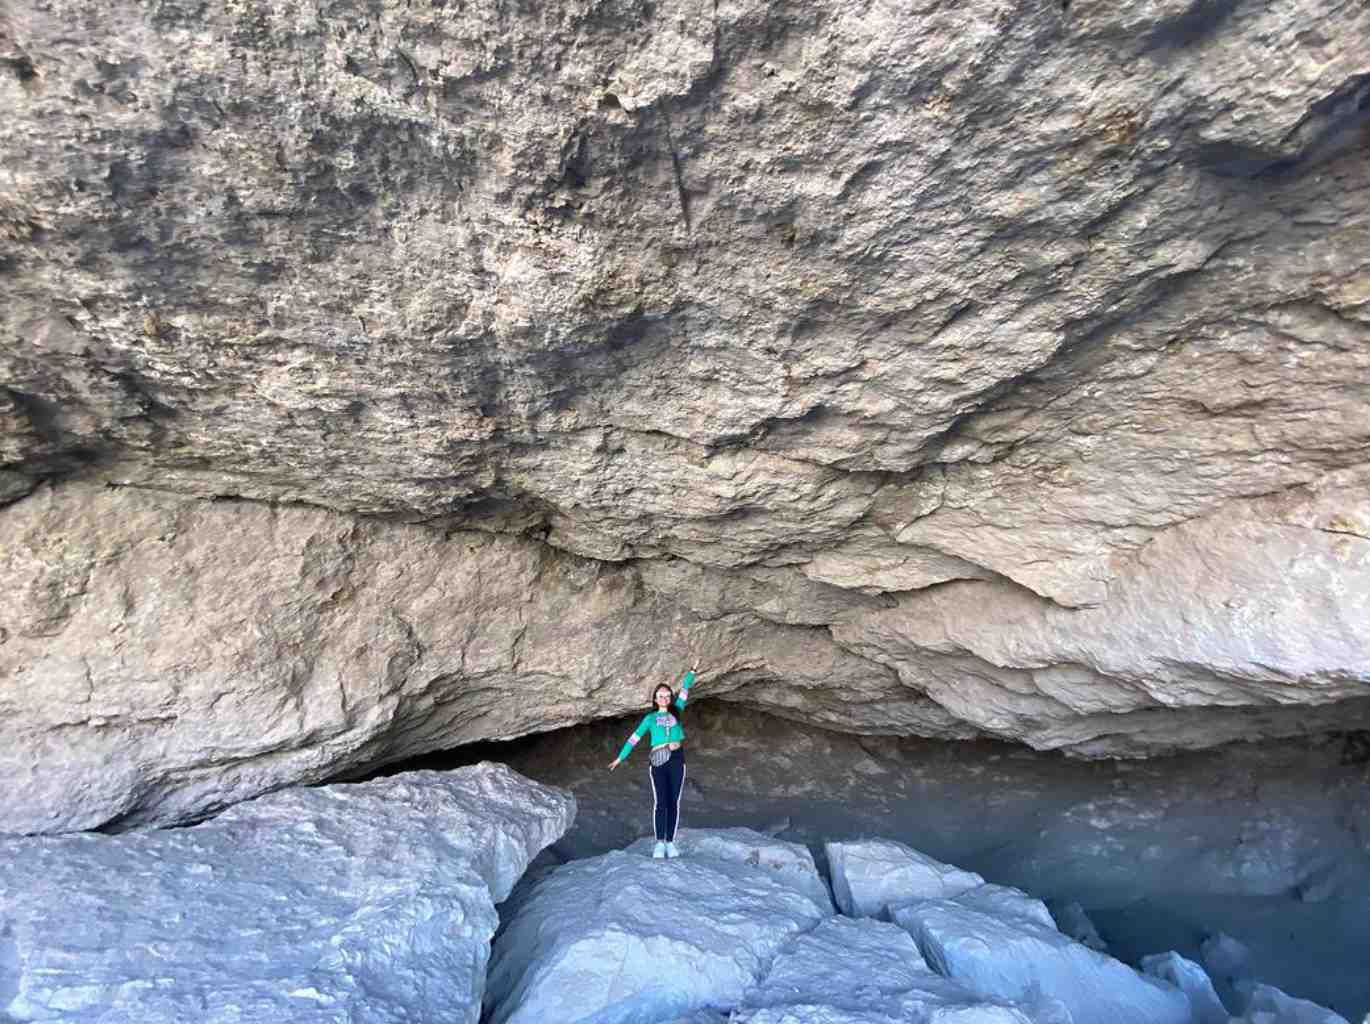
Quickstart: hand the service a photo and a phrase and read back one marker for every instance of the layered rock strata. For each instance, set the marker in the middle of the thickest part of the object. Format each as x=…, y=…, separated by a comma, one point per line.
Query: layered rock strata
x=991, y=368
x=165, y=656
x=899, y=295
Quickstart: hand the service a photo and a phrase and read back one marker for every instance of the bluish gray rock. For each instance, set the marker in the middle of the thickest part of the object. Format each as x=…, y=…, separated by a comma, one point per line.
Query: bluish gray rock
x=373, y=901
x=998, y=946
x=871, y=875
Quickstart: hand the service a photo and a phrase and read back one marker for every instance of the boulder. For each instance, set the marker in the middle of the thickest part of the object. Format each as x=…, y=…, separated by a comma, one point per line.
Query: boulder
x=790, y=862
x=842, y=964
x=623, y=938
x=1004, y=901
x=1228, y=962
x=871, y=875
x=373, y=901
x=1268, y=1005
x=1193, y=981
x=865, y=971
x=1072, y=920
x=929, y=1012
x=998, y=946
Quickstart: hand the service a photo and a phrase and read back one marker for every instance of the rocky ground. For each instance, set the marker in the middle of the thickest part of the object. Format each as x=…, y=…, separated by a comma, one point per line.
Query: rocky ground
x=378, y=378
x=375, y=902
x=1265, y=842
x=372, y=902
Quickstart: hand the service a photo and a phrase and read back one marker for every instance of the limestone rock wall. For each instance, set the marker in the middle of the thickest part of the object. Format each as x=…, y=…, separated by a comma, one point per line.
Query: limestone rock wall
x=166, y=656
x=951, y=368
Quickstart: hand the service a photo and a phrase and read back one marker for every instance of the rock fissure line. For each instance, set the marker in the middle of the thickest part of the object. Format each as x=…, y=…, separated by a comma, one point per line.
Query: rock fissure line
x=940, y=331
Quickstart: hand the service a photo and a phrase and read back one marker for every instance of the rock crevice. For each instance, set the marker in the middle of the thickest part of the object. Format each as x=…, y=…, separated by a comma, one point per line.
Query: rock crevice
x=995, y=368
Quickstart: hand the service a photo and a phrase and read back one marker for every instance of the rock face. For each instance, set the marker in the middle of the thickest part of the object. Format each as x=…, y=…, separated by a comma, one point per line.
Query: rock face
x=350, y=902
x=864, y=972
x=165, y=657
x=733, y=926
x=991, y=368
x=995, y=943
x=869, y=876
x=622, y=939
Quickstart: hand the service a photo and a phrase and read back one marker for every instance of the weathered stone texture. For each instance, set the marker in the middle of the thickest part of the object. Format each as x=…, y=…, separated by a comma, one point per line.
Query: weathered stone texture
x=166, y=656
x=319, y=905
x=797, y=313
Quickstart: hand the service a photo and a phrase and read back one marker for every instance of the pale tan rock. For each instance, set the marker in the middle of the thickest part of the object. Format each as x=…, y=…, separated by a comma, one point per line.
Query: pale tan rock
x=1237, y=615
x=163, y=657
x=970, y=335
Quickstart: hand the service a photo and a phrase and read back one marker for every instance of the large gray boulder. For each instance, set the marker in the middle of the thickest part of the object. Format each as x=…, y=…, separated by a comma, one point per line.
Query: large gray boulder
x=731, y=927
x=373, y=901
x=996, y=943
x=791, y=862
x=871, y=875
x=624, y=939
x=1191, y=979
x=1228, y=962
x=869, y=972
x=1269, y=1005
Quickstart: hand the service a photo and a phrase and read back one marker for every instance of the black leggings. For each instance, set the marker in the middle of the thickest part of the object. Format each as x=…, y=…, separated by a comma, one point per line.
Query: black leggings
x=667, y=783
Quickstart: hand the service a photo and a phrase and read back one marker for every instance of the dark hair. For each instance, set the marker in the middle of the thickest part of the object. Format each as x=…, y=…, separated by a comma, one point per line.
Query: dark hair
x=670, y=703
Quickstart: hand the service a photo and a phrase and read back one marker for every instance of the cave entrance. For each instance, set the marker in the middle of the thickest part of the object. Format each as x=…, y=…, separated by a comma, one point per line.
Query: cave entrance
x=1268, y=842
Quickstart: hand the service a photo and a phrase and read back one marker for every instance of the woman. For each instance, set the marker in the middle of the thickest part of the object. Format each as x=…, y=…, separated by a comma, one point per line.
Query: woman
x=667, y=757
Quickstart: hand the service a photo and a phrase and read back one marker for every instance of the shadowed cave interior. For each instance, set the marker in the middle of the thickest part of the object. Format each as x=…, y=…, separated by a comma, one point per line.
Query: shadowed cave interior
x=1268, y=842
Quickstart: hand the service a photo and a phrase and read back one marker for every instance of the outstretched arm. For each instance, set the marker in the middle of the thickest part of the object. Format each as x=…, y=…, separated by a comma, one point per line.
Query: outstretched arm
x=637, y=735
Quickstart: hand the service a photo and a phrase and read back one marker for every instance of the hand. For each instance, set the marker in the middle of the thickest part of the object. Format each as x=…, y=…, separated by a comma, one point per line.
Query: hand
x=614, y=764
x=695, y=666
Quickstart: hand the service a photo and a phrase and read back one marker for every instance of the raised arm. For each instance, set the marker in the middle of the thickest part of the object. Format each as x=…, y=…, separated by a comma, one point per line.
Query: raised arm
x=683, y=696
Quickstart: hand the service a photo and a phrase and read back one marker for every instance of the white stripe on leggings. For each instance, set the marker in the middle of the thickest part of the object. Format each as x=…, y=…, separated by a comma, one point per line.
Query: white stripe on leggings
x=652, y=782
x=678, y=795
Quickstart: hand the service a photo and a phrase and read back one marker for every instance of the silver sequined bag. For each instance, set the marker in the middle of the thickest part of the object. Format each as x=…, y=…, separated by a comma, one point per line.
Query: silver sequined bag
x=660, y=756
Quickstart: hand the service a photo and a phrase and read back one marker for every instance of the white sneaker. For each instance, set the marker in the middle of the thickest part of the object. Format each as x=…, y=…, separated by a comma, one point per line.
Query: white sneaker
x=658, y=851
x=671, y=851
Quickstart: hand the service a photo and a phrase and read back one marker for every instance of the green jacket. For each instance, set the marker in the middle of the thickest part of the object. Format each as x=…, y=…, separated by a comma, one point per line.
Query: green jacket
x=664, y=726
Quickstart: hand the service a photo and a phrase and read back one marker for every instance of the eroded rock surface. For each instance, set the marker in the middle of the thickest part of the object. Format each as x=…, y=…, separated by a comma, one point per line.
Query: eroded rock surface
x=624, y=938
x=373, y=901
x=991, y=368
x=996, y=287
x=867, y=972
x=997, y=943
x=166, y=656
x=731, y=927
x=869, y=876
